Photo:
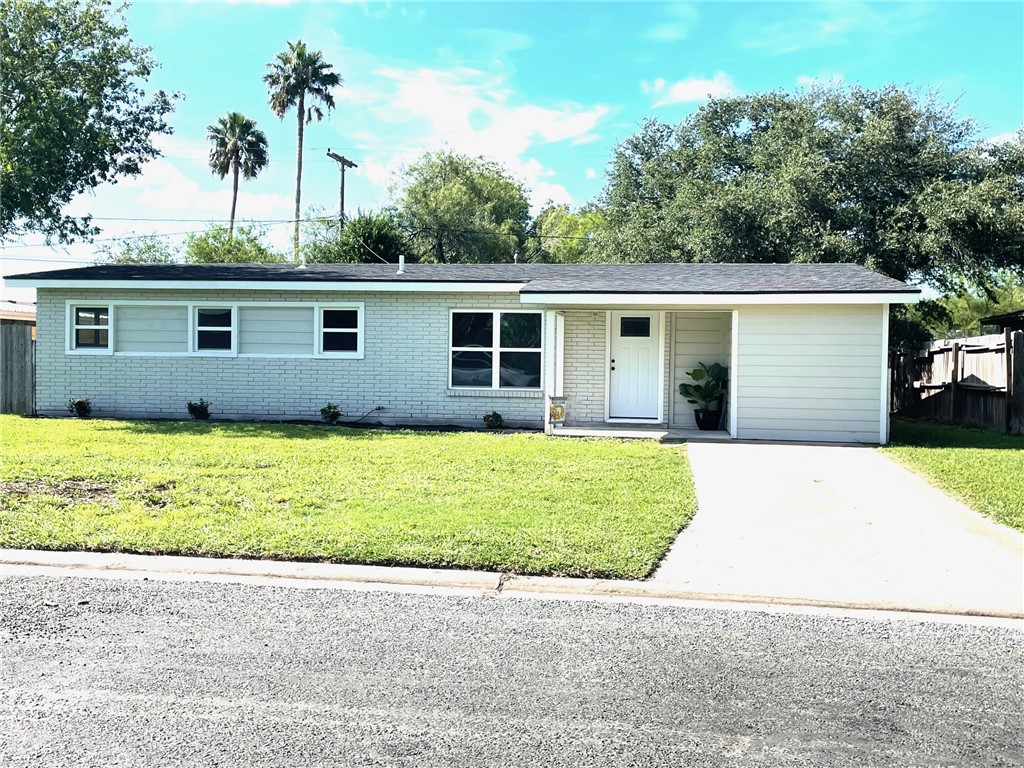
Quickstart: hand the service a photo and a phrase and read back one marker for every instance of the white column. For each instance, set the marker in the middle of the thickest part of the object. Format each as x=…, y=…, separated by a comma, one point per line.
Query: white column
x=734, y=376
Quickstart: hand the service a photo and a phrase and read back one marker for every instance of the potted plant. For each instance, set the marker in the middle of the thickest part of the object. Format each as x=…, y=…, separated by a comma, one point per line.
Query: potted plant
x=707, y=393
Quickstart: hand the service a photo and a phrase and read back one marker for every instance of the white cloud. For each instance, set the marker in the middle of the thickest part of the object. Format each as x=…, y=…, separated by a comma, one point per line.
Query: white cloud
x=829, y=24
x=682, y=17
x=689, y=90
x=468, y=110
x=1001, y=138
x=591, y=173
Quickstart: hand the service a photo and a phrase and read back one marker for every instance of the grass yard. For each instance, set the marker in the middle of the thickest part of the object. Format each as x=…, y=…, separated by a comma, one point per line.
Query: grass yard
x=983, y=468
x=513, y=502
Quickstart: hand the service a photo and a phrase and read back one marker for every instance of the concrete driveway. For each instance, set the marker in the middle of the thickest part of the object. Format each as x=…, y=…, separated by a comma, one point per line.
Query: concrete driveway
x=838, y=523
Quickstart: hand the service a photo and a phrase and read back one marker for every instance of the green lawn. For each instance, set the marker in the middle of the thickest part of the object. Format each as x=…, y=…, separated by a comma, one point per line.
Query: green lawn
x=983, y=468
x=517, y=502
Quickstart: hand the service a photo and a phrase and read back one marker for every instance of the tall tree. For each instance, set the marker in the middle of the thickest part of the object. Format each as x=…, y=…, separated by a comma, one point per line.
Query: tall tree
x=296, y=75
x=368, y=238
x=73, y=111
x=462, y=209
x=237, y=147
x=880, y=178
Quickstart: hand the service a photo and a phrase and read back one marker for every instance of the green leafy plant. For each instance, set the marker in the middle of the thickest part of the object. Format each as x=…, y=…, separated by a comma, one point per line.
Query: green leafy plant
x=80, y=406
x=200, y=410
x=494, y=420
x=710, y=383
x=330, y=413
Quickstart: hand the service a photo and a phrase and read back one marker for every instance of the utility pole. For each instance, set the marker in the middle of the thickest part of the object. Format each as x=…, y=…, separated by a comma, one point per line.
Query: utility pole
x=343, y=163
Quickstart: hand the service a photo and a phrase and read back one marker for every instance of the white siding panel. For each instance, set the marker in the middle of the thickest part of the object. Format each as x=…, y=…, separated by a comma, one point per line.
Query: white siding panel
x=275, y=330
x=697, y=337
x=151, y=329
x=810, y=373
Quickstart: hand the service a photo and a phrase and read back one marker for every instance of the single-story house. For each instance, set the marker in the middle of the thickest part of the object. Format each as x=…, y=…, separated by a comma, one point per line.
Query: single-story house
x=18, y=313
x=564, y=347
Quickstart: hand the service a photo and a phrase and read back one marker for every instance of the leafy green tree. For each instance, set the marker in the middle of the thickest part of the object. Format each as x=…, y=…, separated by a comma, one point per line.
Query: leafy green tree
x=959, y=314
x=295, y=75
x=561, y=235
x=237, y=147
x=462, y=209
x=218, y=246
x=880, y=178
x=73, y=112
x=138, y=249
x=369, y=238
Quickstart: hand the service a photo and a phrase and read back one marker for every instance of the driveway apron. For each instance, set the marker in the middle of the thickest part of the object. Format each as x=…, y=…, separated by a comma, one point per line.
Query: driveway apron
x=838, y=524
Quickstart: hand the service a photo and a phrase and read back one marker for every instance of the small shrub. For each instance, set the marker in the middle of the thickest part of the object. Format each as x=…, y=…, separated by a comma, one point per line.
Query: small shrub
x=493, y=420
x=200, y=410
x=80, y=406
x=330, y=413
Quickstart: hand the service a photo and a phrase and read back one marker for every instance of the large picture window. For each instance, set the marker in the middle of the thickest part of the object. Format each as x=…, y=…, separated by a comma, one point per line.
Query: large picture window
x=496, y=350
x=92, y=327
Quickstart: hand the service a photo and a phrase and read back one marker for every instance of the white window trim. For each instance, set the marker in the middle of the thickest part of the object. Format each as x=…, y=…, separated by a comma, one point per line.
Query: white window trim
x=70, y=326
x=191, y=308
x=495, y=349
x=194, y=328
x=319, y=331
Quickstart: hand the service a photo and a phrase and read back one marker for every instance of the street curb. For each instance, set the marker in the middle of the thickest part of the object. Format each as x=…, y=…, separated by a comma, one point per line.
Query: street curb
x=484, y=581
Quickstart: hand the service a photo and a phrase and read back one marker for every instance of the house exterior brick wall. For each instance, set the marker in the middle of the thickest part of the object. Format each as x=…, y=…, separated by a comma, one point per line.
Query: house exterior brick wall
x=586, y=360
x=404, y=367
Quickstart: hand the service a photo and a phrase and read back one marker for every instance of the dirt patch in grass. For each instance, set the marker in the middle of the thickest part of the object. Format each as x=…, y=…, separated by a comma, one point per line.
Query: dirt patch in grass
x=74, y=491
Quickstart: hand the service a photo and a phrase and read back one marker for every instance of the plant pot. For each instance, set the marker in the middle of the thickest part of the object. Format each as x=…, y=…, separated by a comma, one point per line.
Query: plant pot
x=707, y=420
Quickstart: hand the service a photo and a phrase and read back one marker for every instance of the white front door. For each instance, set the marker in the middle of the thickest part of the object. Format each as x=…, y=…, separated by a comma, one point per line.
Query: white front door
x=634, y=365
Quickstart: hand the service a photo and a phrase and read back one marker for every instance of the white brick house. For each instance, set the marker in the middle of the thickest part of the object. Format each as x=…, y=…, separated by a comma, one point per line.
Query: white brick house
x=446, y=344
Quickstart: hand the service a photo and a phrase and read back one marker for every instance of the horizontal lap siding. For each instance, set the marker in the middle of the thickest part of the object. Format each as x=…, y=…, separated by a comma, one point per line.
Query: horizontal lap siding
x=810, y=373
x=404, y=369
x=275, y=330
x=151, y=329
x=697, y=338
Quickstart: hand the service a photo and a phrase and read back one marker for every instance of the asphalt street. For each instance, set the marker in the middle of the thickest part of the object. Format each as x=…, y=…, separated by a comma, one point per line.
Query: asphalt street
x=97, y=672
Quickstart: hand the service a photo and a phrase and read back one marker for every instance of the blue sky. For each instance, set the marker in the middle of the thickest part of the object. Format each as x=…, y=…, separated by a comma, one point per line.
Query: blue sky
x=547, y=89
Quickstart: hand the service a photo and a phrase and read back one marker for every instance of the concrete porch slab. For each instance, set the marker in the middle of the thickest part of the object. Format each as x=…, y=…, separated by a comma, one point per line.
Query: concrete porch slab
x=641, y=432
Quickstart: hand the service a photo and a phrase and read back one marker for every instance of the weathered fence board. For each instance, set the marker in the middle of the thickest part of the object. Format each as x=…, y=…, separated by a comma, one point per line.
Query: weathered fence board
x=17, y=369
x=977, y=381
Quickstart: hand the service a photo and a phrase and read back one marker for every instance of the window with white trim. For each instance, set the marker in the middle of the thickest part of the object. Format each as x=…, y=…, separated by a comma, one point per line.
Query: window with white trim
x=495, y=350
x=341, y=331
x=91, y=328
x=214, y=329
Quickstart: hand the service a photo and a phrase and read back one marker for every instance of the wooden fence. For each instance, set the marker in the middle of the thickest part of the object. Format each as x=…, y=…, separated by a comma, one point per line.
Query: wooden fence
x=17, y=369
x=977, y=381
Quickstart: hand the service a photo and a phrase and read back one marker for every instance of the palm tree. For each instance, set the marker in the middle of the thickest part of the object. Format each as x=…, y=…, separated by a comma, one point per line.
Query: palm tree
x=236, y=146
x=295, y=74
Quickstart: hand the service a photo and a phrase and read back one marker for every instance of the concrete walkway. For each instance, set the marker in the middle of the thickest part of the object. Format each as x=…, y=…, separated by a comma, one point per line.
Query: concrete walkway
x=838, y=524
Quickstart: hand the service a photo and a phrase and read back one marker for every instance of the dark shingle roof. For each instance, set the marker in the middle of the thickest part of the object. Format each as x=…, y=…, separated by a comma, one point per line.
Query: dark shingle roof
x=535, y=278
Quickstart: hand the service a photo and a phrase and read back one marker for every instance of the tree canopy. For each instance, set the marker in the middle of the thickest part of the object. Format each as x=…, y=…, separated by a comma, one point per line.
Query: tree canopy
x=73, y=111
x=218, y=246
x=458, y=208
x=137, y=249
x=563, y=236
x=880, y=178
x=369, y=238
